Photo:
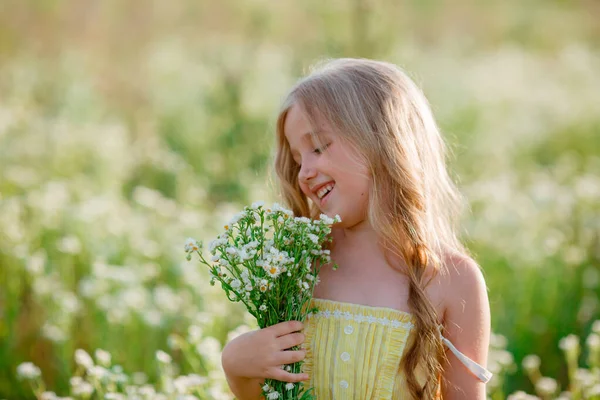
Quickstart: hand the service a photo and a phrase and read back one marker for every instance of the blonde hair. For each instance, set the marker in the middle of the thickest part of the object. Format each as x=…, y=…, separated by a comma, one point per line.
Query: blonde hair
x=413, y=205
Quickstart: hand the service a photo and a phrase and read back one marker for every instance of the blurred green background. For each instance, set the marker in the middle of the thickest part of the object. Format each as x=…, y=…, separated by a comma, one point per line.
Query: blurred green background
x=127, y=126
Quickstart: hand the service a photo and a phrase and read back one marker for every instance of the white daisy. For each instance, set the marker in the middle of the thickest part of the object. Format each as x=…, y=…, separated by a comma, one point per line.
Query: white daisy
x=191, y=245
x=326, y=219
x=235, y=219
x=272, y=270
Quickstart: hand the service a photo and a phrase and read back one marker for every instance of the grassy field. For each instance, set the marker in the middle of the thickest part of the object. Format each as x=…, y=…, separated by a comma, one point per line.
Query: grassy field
x=126, y=127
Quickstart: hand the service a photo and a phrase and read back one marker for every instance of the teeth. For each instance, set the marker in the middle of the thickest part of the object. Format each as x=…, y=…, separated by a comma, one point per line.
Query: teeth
x=324, y=190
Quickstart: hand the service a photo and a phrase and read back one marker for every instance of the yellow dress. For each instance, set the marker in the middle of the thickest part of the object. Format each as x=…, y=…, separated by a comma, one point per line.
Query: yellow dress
x=353, y=351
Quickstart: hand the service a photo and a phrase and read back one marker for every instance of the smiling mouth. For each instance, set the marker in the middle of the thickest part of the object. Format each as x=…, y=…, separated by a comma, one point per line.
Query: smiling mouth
x=325, y=191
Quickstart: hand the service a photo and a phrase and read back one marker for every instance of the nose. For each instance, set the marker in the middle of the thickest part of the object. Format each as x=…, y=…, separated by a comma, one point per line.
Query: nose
x=307, y=172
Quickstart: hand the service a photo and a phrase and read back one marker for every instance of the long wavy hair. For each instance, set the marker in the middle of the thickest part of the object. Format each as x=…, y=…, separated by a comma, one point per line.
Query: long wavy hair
x=413, y=204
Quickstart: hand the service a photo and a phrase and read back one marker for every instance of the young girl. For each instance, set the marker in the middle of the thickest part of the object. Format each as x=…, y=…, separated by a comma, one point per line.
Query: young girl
x=406, y=314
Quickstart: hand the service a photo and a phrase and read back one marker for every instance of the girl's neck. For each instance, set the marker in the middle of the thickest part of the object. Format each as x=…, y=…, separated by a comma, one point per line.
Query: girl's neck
x=362, y=241
x=361, y=236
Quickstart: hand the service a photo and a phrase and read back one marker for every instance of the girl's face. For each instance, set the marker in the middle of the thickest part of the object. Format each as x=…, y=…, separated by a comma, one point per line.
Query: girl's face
x=333, y=176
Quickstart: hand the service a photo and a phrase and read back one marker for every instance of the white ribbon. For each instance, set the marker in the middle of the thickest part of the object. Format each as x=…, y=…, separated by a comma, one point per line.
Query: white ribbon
x=481, y=373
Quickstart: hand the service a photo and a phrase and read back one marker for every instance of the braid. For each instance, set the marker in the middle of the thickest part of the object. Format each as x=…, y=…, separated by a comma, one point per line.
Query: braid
x=426, y=350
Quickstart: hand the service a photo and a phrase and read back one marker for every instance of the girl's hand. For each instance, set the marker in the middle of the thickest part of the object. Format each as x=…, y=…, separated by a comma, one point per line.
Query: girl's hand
x=260, y=354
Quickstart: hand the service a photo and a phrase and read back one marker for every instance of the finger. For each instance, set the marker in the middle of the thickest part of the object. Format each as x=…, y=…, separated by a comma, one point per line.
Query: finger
x=284, y=376
x=290, y=356
x=283, y=328
x=290, y=340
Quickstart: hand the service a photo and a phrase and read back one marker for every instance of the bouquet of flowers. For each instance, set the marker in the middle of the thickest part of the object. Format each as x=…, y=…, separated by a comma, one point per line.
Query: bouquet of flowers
x=270, y=260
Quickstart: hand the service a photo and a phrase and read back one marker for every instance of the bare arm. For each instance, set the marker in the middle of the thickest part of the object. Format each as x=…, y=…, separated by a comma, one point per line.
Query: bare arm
x=245, y=388
x=254, y=356
x=467, y=326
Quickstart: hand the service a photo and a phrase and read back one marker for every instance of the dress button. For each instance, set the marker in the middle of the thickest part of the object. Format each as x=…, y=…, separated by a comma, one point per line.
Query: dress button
x=344, y=384
x=348, y=330
x=345, y=356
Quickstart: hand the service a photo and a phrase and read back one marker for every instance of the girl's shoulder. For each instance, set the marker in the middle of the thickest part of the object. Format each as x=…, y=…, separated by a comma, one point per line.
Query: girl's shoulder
x=462, y=281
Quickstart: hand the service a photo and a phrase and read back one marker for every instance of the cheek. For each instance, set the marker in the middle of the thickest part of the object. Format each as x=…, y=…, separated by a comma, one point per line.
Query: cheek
x=358, y=182
x=360, y=192
x=304, y=188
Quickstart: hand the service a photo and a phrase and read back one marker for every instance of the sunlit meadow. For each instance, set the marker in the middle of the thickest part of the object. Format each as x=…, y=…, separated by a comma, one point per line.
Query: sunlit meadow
x=125, y=128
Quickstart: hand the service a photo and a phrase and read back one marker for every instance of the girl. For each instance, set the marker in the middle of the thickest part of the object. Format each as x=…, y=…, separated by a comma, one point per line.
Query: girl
x=357, y=138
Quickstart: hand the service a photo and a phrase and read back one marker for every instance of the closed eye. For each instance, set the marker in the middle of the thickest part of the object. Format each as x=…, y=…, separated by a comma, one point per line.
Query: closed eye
x=320, y=150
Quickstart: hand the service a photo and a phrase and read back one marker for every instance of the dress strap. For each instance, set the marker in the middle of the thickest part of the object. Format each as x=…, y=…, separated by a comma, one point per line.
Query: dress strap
x=480, y=372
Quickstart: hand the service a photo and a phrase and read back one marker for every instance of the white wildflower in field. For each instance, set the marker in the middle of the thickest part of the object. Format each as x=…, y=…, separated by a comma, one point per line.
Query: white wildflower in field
x=69, y=302
x=570, y=346
x=76, y=380
x=139, y=378
x=569, y=343
x=522, y=396
x=49, y=396
x=28, y=370
x=546, y=387
x=593, y=342
x=83, y=389
x=596, y=327
x=36, y=263
x=194, y=380
x=210, y=349
x=69, y=245
x=83, y=358
x=98, y=372
x=593, y=392
x=269, y=260
x=152, y=317
x=186, y=383
x=187, y=397
x=584, y=378
x=103, y=357
x=53, y=333
x=194, y=333
x=163, y=357
x=147, y=390
x=531, y=362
